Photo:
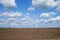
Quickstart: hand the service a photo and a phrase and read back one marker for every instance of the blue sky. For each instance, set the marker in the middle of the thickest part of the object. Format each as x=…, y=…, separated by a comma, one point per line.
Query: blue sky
x=29, y=13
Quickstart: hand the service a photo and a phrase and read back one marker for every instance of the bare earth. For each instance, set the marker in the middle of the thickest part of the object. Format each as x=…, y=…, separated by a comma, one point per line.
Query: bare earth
x=30, y=34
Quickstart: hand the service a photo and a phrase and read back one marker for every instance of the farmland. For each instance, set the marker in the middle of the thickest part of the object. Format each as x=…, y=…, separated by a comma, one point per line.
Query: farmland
x=29, y=33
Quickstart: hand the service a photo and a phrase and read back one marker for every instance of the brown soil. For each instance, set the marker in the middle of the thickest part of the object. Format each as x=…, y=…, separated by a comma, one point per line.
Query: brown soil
x=29, y=34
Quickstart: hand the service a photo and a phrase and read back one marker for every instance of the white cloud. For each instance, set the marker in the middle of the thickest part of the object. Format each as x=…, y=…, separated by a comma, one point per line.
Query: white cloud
x=58, y=17
x=1, y=21
x=53, y=20
x=44, y=21
x=58, y=8
x=58, y=5
x=8, y=3
x=58, y=2
x=47, y=15
x=11, y=19
x=14, y=24
x=44, y=15
x=11, y=14
x=27, y=19
x=31, y=8
x=44, y=3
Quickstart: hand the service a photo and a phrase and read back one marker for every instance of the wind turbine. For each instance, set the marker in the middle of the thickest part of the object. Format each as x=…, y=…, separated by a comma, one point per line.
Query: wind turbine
x=36, y=21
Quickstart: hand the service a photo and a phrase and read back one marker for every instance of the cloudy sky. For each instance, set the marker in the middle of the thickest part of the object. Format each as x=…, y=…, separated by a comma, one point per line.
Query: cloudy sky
x=29, y=13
